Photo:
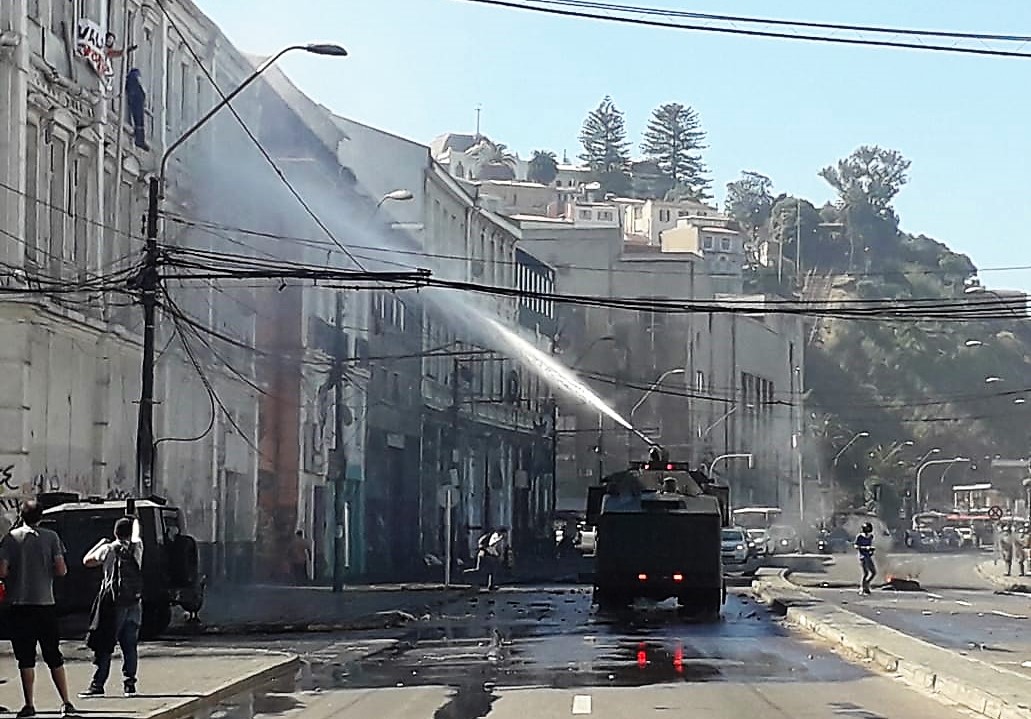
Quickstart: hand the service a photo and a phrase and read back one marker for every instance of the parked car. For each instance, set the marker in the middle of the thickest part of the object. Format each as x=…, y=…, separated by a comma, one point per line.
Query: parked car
x=923, y=540
x=735, y=547
x=782, y=539
x=835, y=541
x=758, y=541
x=588, y=538
x=950, y=539
x=968, y=536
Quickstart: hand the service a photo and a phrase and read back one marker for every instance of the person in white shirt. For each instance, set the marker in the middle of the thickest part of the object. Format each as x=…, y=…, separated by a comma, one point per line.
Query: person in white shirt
x=118, y=609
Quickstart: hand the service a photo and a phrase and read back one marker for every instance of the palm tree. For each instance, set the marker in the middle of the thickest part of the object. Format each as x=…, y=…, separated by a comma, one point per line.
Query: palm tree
x=495, y=161
x=543, y=167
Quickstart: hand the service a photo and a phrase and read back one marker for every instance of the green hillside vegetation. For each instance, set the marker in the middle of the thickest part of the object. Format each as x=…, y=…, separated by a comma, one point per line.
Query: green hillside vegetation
x=919, y=381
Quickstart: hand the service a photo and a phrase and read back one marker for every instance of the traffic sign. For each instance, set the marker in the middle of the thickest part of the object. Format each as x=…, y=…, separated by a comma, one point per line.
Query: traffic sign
x=995, y=512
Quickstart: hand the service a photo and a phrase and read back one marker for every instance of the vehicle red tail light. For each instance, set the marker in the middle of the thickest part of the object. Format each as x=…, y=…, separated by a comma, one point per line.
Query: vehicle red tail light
x=643, y=577
x=678, y=577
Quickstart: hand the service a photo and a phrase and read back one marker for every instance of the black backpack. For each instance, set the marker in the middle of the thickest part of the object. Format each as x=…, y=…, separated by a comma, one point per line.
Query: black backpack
x=127, y=584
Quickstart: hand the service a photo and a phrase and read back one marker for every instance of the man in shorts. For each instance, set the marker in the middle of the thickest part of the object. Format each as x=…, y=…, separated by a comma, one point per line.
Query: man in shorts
x=30, y=558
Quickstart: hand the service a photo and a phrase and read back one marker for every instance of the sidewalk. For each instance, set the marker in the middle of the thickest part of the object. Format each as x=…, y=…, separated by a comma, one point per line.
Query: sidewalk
x=995, y=573
x=174, y=681
x=268, y=608
x=986, y=689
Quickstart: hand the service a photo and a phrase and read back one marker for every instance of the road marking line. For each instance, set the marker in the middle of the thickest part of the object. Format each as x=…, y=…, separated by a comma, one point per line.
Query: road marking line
x=1008, y=615
x=963, y=604
x=582, y=704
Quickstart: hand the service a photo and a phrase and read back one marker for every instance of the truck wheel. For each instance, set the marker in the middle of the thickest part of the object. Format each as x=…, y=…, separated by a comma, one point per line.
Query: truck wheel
x=156, y=618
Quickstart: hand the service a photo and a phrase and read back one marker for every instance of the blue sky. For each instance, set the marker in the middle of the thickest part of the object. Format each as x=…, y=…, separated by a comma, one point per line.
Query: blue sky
x=420, y=67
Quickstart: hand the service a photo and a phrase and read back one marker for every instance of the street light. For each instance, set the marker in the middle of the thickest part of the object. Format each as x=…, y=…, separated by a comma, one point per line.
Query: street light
x=703, y=434
x=859, y=435
x=732, y=455
x=397, y=196
x=646, y=395
x=907, y=443
x=928, y=454
x=925, y=465
x=150, y=279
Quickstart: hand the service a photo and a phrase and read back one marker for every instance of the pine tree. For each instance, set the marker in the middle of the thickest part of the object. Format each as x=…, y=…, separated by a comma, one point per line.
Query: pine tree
x=675, y=140
x=606, y=149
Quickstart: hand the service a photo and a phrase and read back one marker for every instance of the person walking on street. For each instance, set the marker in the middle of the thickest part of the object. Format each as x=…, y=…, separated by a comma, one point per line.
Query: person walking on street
x=30, y=558
x=118, y=608
x=865, y=548
x=1006, y=547
x=1020, y=549
x=300, y=558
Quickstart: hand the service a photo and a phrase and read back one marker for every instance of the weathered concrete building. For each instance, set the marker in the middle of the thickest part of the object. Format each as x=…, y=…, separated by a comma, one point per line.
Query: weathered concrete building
x=72, y=195
x=702, y=384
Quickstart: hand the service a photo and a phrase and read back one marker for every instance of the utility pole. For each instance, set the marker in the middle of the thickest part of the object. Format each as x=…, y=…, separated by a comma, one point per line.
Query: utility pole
x=339, y=465
x=149, y=283
x=455, y=459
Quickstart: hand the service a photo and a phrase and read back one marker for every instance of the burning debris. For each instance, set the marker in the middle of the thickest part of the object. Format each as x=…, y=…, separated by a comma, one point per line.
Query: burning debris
x=902, y=584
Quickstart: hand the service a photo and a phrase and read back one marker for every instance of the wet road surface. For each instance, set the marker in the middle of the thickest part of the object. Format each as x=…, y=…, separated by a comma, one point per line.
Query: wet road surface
x=546, y=652
x=958, y=610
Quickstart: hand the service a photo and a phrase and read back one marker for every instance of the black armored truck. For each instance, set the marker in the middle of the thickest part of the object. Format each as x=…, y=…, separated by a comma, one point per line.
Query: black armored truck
x=660, y=536
x=170, y=562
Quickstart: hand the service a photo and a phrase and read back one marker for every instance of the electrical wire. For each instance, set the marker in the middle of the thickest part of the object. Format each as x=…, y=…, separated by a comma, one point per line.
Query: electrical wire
x=218, y=229
x=560, y=9
x=257, y=143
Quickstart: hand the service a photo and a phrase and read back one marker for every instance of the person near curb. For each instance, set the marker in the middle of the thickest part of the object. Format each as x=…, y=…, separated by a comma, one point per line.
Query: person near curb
x=300, y=558
x=118, y=609
x=865, y=548
x=1006, y=547
x=30, y=558
x=1019, y=549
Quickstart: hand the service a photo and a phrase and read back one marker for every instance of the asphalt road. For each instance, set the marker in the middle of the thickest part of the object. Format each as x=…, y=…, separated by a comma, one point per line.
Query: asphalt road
x=958, y=609
x=545, y=652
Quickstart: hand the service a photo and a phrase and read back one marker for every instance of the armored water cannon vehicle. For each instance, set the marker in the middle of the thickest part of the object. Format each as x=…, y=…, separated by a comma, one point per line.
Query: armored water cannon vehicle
x=660, y=535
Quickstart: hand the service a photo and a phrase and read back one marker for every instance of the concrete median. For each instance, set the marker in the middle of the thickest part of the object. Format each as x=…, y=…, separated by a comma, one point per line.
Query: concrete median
x=988, y=690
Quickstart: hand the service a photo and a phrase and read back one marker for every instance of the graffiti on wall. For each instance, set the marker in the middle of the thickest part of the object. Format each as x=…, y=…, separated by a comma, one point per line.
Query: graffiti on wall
x=16, y=487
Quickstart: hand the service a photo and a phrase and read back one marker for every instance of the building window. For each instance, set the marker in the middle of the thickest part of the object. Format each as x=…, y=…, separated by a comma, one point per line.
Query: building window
x=663, y=215
x=585, y=214
x=605, y=215
x=725, y=244
x=707, y=243
x=58, y=196
x=31, y=191
x=169, y=87
x=83, y=185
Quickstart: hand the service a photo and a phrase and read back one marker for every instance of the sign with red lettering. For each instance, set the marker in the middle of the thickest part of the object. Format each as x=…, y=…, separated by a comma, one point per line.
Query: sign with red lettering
x=89, y=45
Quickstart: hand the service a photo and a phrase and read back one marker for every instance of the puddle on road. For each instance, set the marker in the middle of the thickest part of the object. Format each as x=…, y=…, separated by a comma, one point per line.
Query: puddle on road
x=496, y=646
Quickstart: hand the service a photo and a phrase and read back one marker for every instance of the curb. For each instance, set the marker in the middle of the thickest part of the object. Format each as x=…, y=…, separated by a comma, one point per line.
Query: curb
x=287, y=667
x=388, y=619
x=1003, y=584
x=921, y=676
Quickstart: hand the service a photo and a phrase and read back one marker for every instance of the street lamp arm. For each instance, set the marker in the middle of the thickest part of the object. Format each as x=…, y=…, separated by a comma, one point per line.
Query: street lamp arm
x=732, y=455
x=925, y=465
x=655, y=385
x=849, y=444
x=712, y=426
x=225, y=101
